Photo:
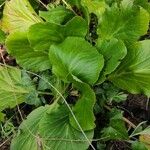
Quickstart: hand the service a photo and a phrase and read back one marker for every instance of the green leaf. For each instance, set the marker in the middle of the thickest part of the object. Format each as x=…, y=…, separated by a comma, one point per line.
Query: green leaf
x=55, y=126
x=69, y=60
x=116, y=129
x=144, y=3
x=45, y=78
x=128, y=22
x=19, y=47
x=146, y=131
x=52, y=130
x=95, y=6
x=76, y=59
x=12, y=91
x=43, y=35
x=83, y=108
x=113, y=94
x=32, y=97
x=59, y=15
x=133, y=74
x=138, y=146
x=75, y=27
x=28, y=136
x=18, y=15
x=113, y=51
x=138, y=129
x=2, y=37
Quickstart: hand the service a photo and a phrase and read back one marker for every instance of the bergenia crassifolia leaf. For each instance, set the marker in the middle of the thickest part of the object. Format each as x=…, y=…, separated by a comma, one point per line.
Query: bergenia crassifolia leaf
x=113, y=51
x=128, y=22
x=18, y=15
x=18, y=46
x=13, y=90
x=51, y=124
x=75, y=57
x=43, y=35
x=133, y=74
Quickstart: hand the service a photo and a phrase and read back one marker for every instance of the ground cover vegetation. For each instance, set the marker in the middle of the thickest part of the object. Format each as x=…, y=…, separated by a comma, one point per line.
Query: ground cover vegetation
x=67, y=68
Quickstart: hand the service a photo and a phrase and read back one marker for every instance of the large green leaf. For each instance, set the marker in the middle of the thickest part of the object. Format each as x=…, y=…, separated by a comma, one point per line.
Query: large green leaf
x=28, y=137
x=19, y=47
x=83, y=108
x=127, y=22
x=59, y=15
x=18, y=15
x=133, y=74
x=12, y=90
x=49, y=128
x=76, y=58
x=116, y=129
x=113, y=51
x=55, y=127
x=43, y=35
